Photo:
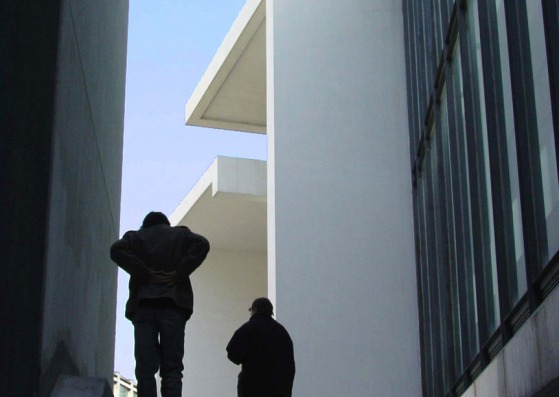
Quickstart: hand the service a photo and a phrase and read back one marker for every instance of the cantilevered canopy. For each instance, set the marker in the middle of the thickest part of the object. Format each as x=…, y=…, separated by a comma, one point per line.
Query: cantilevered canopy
x=228, y=205
x=232, y=93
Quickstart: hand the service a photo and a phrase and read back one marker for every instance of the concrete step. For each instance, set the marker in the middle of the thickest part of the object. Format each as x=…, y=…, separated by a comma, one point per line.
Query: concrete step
x=78, y=386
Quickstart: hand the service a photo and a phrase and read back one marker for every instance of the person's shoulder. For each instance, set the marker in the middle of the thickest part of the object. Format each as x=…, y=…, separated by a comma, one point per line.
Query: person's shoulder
x=245, y=328
x=130, y=233
x=189, y=235
x=182, y=229
x=280, y=326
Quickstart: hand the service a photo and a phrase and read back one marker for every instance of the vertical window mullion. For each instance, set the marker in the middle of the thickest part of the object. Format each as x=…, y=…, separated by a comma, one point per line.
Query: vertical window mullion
x=416, y=73
x=480, y=206
x=431, y=237
x=551, y=25
x=441, y=232
x=525, y=120
x=471, y=120
x=499, y=164
x=542, y=97
x=443, y=20
x=417, y=76
x=450, y=247
x=461, y=210
x=437, y=29
x=426, y=288
x=430, y=50
x=420, y=291
x=410, y=78
x=422, y=47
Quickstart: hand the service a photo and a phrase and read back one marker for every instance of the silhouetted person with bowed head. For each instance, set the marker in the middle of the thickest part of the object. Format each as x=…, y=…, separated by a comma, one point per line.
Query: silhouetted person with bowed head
x=265, y=350
x=159, y=259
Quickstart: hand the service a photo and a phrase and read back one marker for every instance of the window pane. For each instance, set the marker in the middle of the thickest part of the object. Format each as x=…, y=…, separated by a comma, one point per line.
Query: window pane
x=468, y=301
x=545, y=126
x=428, y=342
x=442, y=270
x=455, y=348
x=518, y=285
x=432, y=218
x=438, y=32
x=424, y=46
x=489, y=275
x=416, y=70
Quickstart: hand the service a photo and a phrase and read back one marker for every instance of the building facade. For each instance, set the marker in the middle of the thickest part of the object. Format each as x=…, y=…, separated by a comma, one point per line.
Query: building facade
x=123, y=387
x=412, y=188
x=62, y=73
x=341, y=267
x=483, y=84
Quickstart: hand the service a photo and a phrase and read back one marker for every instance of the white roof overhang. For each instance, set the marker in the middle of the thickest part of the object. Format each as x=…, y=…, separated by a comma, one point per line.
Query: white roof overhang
x=232, y=93
x=228, y=205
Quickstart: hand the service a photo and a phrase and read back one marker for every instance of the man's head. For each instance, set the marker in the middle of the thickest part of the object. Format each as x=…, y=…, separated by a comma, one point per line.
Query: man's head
x=262, y=306
x=155, y=218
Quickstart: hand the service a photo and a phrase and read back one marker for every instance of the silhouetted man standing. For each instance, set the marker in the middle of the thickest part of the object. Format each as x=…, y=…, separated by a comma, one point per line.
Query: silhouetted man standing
x=265, y=350
x=159, y=259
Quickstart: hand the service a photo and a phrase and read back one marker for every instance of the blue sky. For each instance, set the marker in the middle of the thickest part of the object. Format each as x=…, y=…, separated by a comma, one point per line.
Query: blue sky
x=170, y=45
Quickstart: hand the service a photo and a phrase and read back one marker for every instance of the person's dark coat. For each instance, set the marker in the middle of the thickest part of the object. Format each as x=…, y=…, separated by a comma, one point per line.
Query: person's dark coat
x=265, y=350
x=160, y=248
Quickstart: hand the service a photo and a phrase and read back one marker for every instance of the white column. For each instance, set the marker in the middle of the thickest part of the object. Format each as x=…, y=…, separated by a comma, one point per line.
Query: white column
x=341, y=245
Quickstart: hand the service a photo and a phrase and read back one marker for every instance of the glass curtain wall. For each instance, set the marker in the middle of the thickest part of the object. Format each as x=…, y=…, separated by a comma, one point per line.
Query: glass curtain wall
x=483, y=144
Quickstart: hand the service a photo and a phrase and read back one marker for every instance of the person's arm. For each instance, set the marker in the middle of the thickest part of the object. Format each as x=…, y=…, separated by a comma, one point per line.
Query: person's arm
x=197, y=251
x=237, y=348
x=123, y=255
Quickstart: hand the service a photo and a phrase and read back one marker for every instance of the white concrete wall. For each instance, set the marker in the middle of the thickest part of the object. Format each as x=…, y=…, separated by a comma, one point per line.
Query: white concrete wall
x=241, y=176
x=341, y=245
x=224, y=287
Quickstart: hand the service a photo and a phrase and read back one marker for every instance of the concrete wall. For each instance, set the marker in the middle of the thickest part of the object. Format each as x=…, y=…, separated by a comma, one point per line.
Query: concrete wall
x=80, y=284
x=61, y=121
x=228, y=207
x=224, y=287
x=529, y=362
x=341, y=245
x=28, y=43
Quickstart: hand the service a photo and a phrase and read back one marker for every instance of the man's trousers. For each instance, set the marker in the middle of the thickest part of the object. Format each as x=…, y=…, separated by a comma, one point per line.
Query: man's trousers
x=159, y=345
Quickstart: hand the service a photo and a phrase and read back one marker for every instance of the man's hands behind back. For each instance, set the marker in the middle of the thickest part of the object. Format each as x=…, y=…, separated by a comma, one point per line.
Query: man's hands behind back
x=162, y=277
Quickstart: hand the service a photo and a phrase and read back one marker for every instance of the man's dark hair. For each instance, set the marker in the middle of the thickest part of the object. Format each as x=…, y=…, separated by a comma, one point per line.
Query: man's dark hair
x=155, y=218
x=263, y=306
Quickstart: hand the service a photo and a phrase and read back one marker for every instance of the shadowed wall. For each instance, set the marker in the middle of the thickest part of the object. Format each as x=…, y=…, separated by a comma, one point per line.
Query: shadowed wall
x=62, y=74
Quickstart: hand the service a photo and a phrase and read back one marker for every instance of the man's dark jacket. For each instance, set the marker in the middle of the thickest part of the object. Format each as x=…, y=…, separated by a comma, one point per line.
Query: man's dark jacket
x=265, y=350
x=160, y=248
